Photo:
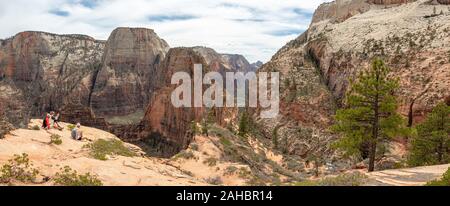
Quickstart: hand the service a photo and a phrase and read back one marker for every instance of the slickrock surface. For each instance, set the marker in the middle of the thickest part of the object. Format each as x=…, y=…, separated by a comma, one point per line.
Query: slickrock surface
x=116, y=171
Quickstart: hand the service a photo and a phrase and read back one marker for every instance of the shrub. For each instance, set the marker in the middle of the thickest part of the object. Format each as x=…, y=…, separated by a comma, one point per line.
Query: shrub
x=444, y=181
x=225, y=142
x=244, y=173
x=55, y=139
x=69, y=177
x=255, y=181
x=214, y=180
x=194, y=147
x=70, y=127
x=36, y=127
x=185, y=155
x=294, y=165
x=100, y=148
x=19, y=169
x=350, y=179
x=211, y=161
x=230, y=170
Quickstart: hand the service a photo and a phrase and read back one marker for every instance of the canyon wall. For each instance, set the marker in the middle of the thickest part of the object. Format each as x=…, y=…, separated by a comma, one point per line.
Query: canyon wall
x=316, y=67
x=93, y=82
x=125, y=80
x=49, y=70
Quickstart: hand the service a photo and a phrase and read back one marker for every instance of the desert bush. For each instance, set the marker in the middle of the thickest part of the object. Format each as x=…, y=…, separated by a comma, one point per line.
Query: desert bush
x=35, y=127
x=18, y=169
x=211, y=161
x=244, y=173
x=350, y=179
x=101, y=148
x=185, y=155
x=214, y=180
x=444, y=181
x=230, y=170
x=55, y=139
x=255, y=181
x=194, y=147
x=294, y=165
x=225, y=142
x=69, y=177
x=70, y=127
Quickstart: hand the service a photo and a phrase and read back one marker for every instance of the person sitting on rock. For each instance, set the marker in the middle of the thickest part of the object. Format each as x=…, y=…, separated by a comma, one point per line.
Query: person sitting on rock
x=52, y=121
x=56, y=121
x=46, y=122
x=77, y=134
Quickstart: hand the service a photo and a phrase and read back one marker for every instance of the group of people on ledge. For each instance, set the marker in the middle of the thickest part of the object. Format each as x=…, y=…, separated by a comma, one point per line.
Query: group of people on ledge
x=52, y=120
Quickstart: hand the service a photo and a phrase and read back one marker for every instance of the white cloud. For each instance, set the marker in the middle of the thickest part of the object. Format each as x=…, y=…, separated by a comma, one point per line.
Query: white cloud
x=254, y=28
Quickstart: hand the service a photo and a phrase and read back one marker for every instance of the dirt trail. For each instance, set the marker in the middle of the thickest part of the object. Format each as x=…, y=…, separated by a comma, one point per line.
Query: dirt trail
x=417, y=176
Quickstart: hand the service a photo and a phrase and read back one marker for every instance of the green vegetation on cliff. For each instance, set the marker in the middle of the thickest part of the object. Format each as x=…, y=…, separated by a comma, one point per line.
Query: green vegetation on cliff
x=369, y=116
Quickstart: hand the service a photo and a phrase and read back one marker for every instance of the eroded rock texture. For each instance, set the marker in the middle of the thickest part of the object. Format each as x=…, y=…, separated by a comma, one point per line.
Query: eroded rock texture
x=317, y=66
x=225, y=62
x=40, y=72
x=125, y=81
x=341, y=10
x=93, y=81
x=166, y=129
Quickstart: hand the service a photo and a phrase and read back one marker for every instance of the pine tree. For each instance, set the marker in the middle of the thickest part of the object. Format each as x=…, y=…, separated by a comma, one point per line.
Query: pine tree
x=243, y=124
x=205, y=127
x=432, y=143
x=369, y=117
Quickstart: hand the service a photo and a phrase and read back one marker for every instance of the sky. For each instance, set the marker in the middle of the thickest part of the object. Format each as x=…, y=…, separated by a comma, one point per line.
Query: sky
x=253, y=28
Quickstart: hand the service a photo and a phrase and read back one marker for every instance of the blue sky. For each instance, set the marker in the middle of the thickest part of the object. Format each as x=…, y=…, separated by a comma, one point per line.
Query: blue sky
x=254, y=28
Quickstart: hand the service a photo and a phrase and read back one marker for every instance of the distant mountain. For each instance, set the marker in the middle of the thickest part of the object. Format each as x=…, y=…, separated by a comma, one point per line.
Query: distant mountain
x=229, y=62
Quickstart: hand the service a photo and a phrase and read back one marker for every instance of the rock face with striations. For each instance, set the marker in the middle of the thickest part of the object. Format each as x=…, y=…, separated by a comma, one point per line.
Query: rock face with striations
x=341, y=10
x=42, y=71
x=166, y=129
x=90, y=81
x=446, y=2
x=317, y=66
x=125, y=81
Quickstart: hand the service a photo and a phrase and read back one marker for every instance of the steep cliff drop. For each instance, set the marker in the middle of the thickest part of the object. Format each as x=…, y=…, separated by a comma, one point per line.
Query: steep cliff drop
x=125, y=81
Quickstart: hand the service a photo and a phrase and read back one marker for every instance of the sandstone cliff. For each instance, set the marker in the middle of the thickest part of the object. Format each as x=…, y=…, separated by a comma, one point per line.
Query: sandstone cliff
x=165, y=128
x=225, y=62
x=109, y=85
x=125, y=80
x=341, y=41
x=42, y=71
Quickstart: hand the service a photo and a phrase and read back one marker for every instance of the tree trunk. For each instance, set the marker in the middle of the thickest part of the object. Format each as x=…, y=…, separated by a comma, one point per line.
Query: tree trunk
x=374, y=140
x=441, y=152
x=372, y=154
x=411, y=114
